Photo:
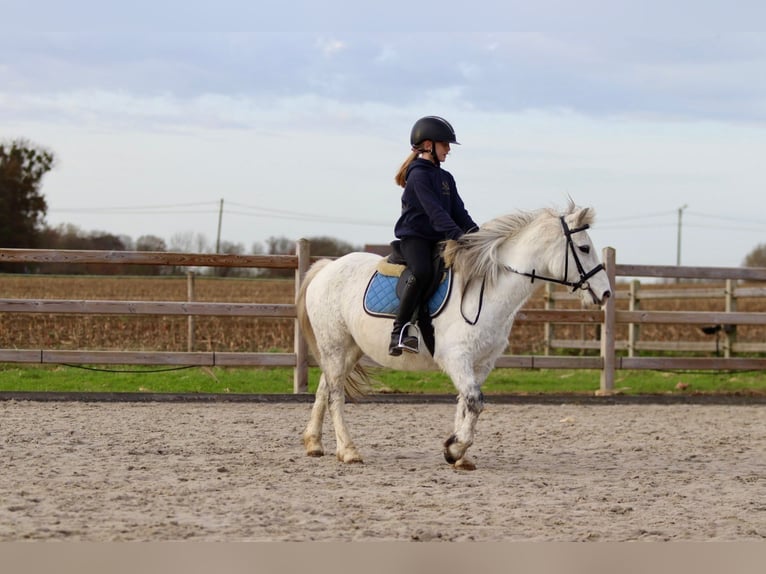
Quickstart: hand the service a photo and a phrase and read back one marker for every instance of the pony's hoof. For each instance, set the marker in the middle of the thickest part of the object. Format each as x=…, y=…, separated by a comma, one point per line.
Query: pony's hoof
x=350, y=457
x=465, y=463
x=313, y=447
x=449, y=446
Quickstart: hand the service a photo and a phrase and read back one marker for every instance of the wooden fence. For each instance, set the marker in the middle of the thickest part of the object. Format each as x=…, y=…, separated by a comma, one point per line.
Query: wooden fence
x=719, y=339
x=607, y=319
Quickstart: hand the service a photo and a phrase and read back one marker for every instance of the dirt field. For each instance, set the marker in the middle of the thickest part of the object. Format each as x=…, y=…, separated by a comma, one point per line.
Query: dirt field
x=234, y=471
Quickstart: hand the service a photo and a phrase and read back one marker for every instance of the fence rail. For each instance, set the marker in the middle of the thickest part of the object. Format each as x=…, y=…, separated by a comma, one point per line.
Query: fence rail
x=607, y=319
x=102, y=307
x=147, y=258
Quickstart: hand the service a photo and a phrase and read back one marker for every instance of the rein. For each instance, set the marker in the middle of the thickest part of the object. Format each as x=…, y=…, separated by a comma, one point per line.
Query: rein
x=582, y=283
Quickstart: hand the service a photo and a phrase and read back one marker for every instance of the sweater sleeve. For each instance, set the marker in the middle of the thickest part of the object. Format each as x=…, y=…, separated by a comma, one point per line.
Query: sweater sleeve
x=460, y=214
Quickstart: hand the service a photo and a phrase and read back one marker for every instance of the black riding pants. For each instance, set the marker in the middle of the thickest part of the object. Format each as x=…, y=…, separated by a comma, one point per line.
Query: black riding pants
x=417, y=253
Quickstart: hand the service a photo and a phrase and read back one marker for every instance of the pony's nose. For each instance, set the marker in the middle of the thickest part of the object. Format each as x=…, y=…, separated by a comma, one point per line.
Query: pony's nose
x=600, y=300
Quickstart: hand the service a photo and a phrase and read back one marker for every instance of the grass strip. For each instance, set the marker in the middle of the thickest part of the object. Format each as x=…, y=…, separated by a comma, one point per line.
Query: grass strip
x=65, y=378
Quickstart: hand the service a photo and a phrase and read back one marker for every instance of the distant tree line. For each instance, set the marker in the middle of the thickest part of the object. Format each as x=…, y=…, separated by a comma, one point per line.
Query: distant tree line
x=22, y=225
x=68, y=236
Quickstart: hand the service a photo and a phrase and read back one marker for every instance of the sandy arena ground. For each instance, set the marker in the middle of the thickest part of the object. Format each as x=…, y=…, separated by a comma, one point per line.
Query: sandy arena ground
x=237, y=472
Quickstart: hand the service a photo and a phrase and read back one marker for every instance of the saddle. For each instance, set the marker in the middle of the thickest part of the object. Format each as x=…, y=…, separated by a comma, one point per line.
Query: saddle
x=381, y=297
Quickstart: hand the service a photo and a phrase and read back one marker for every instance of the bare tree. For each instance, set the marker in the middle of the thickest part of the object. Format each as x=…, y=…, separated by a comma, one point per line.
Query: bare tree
x=189, y=242
x=230, y=248
x=150, y=243
x=330, y=247
x=757, y=257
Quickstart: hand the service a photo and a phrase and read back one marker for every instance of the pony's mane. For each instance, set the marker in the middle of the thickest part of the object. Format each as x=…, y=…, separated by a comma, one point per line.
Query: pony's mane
x=476, y=254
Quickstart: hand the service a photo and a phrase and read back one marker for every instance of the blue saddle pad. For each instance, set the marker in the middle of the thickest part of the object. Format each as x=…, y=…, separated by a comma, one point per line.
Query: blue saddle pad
x=380, y=297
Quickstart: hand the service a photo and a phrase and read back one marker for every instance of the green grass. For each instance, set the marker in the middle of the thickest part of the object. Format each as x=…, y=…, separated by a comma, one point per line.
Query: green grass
x=14, y=377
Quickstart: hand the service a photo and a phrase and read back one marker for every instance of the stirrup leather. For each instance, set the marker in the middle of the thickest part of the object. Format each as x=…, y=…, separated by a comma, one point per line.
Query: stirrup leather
x=407, y=342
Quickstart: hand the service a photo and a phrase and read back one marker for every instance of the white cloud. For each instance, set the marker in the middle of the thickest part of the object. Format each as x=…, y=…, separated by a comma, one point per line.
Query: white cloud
x=330, y=46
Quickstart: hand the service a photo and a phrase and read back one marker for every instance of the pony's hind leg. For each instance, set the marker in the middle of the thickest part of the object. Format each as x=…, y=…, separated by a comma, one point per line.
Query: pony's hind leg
x=312, y=436
x=331, y=393
x=345, y=448
x=337, y=370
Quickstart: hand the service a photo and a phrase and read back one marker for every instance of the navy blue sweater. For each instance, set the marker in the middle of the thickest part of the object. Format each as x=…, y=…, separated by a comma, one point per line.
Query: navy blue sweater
x=431, y=206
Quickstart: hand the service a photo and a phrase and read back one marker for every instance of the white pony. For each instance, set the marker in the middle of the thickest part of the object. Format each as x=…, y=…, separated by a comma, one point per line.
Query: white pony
x=494, y=272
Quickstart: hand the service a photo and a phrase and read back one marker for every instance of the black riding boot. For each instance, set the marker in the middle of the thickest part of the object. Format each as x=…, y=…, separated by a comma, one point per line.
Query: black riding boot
x=400, y=340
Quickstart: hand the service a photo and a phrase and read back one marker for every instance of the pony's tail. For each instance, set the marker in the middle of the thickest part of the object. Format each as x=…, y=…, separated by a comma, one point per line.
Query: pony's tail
x=357, y=384
x=300, y=307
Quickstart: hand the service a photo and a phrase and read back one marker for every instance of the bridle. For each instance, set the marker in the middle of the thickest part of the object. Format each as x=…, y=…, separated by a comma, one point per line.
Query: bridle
x=581, y=283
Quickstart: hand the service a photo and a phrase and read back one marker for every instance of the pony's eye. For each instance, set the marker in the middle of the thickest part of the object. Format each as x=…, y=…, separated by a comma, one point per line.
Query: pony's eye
x=584, y=249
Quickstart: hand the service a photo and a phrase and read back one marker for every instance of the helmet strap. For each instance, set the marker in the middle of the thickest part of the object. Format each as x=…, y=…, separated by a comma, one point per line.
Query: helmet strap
x=420, y=149
x=433, y=153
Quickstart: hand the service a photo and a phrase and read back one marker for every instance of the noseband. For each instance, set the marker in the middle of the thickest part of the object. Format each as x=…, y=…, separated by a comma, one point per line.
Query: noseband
x=581, y=283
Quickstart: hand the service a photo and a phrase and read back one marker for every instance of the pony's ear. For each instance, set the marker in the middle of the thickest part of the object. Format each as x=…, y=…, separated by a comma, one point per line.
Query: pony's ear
x=583, y=216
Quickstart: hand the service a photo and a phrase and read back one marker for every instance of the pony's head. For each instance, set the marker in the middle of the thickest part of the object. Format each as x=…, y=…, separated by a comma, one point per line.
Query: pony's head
x=542, y=245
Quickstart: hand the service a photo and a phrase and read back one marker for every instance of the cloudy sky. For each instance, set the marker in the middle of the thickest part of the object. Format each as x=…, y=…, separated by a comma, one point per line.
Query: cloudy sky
x=297, y=114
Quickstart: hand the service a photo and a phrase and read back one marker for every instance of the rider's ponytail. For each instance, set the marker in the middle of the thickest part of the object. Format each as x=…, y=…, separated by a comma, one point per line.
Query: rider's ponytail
x=401, y=175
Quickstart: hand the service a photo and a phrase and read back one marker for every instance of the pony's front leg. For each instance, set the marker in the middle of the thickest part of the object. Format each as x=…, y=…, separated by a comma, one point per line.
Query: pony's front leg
x=470, y=403
x=469, y=407
x=312, y=436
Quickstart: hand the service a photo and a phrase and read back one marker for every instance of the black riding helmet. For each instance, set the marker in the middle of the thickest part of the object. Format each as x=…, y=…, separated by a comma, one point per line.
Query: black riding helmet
x=432, y=128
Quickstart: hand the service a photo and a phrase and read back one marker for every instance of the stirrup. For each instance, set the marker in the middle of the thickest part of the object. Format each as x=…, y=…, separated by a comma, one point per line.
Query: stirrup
x=409, y=343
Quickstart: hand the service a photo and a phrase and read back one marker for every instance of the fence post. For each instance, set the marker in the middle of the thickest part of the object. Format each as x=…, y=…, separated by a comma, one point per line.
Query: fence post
x=608, y=330
x=301, y=372
x=548, y=326
x=190, y=341
x=729, y=331
x=633, y=305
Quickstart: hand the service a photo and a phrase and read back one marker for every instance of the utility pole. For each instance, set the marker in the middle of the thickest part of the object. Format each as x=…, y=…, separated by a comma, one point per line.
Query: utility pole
x=678, y=240
x=220, y=218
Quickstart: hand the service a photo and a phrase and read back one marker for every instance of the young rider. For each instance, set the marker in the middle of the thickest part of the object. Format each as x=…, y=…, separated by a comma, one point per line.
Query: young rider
x=432, y=211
